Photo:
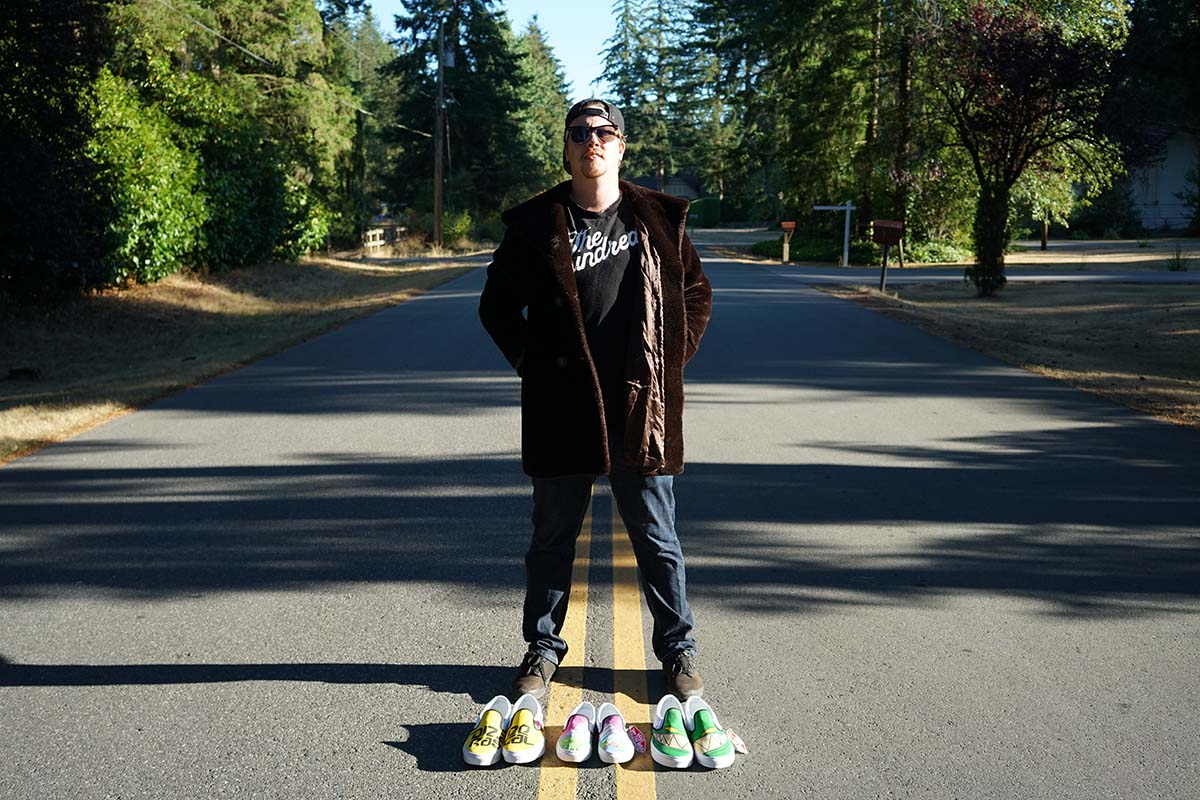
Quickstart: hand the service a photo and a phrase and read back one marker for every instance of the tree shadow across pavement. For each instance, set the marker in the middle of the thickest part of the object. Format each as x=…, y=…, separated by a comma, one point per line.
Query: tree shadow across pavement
x=1089, y=520
x=435, y=746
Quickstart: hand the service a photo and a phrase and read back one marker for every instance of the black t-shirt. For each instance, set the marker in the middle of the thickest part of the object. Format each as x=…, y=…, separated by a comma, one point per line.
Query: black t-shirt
x=604, y=250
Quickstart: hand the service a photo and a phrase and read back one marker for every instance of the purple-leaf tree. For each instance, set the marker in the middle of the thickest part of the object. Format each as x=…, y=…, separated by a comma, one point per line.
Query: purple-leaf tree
x=1014, y=90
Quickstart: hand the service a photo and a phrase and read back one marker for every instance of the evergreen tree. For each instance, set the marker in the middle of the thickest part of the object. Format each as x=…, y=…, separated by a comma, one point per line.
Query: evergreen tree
x=544, y=88
x=50, y=222
x=487, y=167
x=358, y=52
x=733, y=139
x=641, y=69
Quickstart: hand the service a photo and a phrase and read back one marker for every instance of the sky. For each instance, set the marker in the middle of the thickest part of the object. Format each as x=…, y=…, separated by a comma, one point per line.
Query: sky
x=575, y=32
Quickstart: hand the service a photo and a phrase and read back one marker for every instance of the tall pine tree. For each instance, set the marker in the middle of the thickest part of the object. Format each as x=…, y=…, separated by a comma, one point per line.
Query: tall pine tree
x=544, y=89
x=487, y=167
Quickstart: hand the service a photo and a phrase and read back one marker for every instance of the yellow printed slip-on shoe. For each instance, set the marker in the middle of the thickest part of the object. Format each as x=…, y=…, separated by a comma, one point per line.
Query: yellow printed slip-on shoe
x=482, y=748
x=524, y=741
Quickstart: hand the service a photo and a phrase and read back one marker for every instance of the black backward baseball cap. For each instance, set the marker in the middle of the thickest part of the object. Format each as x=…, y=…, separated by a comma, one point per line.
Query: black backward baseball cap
x=606, y=111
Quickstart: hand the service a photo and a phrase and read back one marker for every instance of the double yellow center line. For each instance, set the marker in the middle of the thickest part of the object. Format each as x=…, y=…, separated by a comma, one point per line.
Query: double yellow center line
x=634, y=780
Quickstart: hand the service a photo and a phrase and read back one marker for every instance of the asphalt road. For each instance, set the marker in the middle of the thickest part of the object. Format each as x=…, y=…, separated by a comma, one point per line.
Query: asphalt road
x=917, y=572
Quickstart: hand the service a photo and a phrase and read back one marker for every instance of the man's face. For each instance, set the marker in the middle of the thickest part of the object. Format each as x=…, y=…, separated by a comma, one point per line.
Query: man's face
x=594, y=158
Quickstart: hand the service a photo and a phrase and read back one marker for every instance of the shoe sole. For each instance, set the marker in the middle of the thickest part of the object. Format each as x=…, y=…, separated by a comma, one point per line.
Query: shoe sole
x=609, y=758
x=674, y=762
x=715, y=763
x=524, y=757
x=572, y=758
x=479, y=761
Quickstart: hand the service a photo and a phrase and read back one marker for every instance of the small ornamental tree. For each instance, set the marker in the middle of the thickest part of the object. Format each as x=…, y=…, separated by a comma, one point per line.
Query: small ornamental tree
x=1016, y=90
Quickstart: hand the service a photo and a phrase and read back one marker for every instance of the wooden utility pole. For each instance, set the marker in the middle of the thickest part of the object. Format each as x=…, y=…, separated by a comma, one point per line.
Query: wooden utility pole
x=904, y=26
x=438, y=142
x=868, y=201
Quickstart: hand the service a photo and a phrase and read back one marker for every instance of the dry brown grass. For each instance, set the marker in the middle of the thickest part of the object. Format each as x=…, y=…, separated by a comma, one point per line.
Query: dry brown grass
x=1136, y=344
x=65, y=370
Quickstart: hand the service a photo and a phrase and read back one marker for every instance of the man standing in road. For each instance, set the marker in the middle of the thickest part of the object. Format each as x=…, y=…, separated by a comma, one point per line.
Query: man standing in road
x=597, y=299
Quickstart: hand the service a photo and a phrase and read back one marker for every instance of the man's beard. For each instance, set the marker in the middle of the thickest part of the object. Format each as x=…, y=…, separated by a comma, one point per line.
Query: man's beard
x=594, y=167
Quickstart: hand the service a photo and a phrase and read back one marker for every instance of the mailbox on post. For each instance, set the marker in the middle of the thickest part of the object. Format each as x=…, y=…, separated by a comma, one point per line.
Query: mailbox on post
x=788, y=229
x=887, y=232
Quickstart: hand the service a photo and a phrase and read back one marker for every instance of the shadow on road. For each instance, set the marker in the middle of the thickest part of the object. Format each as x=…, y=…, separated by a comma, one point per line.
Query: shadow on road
x=1083, y=519
x=1095, y=513
x=435, y=746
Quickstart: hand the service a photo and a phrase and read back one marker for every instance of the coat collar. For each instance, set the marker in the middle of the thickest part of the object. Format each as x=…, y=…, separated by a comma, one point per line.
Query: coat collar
x=542, y=223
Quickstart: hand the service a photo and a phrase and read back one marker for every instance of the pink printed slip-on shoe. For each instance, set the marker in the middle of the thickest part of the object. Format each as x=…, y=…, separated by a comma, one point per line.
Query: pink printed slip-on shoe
x=575, y=744
x=615, y=746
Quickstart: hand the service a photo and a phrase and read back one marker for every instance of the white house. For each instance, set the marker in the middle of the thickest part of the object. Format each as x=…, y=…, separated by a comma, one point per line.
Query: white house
x=1155, y=188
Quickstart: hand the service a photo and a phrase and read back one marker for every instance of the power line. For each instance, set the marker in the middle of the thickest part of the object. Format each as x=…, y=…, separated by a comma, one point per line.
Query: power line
x=338, y=98
x=413, y=130
x=219, y=35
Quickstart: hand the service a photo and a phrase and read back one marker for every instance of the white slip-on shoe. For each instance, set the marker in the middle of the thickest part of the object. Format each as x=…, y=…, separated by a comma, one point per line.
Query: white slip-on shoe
x=575, y=744
x=482, y=748
x=614, y=746
x=712, y=745
x=669, y=743
x=523, y=740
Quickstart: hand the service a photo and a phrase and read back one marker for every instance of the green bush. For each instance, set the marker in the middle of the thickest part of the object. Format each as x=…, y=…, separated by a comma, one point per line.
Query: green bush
x=51, y=221
x=456, y=225
x=149, y=182
x=307, y=225
x=936, y=252
x=490, y=230
x=705, y=212
x=243, y=175
x=1191, y=199
x=246, y=208
x=818, y=249
x=1111, y=214
x=1178, y=262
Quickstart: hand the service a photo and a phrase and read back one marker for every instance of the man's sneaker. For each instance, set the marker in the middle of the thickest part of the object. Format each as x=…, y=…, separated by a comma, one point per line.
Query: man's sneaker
x=533, y=676
x=524, y=741
x=712, y=745
x=669, y=744
x=482, y=748
x=681, y=676
x=575, y=743
x=614, y=746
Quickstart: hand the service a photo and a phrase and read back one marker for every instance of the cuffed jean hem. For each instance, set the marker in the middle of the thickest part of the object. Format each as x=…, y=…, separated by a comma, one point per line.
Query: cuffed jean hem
x=670, y=651
x=549, y=655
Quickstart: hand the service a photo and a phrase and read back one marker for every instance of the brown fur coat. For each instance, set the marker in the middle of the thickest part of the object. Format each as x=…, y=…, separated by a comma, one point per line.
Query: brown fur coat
x=563, y=431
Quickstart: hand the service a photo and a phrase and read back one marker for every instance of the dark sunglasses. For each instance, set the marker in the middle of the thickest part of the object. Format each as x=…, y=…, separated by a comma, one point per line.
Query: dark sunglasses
x=581, y=133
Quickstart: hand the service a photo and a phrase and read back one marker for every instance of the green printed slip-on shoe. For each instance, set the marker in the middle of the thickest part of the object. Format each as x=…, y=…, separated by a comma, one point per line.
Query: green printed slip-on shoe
x=524, y=741
x=709, y=740
x=669, y=744
x=482, y=748
x=615, y=746
x=575, y=744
